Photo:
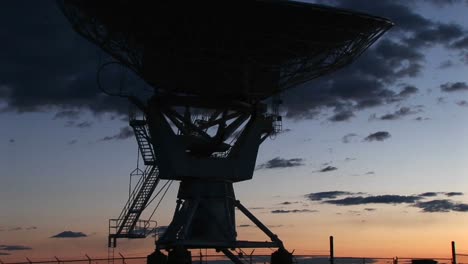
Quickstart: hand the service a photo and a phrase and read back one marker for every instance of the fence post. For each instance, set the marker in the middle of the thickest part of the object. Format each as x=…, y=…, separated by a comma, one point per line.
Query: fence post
x=332, y=253
x=89, y=259
x=454, y=253
x=58, y=260
x=123, y=258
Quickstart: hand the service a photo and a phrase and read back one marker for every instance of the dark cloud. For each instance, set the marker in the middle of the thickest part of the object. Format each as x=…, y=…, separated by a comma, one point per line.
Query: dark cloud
x=463, y=103
x=31, y=228
x=408, y=91
x=276, y=226
x=377, y=136
x=428, y=194
x=63, y=74
x=4, y=254
x=402, y=112
x=342, y=115
x=11, y=140
x=124, y=133
x=14, y=247
x=72, y=142
x=454, y=87
x=69, y=234
x=16, y=228
x=280, y=211
x=319, y=196
x=441, y=206
x=443, y=3
x=68, y=114
x=450, y=194
x=278, y=162
x=438, y=34
x=368, y=82
x=256, y=208
x=84, y=124
x=461, y=43
x=370, y=173
x=348, y=137
x=370, y=209
x=328, y=168
x=446, y=64
x=378, y=199
x=441, y=100
x=420, y=118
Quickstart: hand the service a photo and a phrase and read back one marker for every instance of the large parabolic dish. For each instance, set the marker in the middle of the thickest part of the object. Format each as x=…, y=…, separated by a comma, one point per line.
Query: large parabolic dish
x=246, y=50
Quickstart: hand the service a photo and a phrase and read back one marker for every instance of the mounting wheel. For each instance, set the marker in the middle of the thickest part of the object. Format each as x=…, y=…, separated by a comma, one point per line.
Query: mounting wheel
x=157, y=257
x=281, y=256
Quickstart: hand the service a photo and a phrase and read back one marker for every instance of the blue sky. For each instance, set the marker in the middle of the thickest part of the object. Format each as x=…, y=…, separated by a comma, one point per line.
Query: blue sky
x=58, y=174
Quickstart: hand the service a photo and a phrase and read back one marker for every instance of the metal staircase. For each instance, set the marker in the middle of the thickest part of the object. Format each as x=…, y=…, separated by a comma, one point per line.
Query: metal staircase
x=144, y=144
x=128, y=225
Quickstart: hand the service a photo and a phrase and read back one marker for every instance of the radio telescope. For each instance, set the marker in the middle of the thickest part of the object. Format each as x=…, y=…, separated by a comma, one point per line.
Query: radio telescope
x=222, y=59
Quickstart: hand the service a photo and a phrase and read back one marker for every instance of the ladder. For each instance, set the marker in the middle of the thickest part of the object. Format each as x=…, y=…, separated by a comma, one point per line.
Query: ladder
x=128, y=225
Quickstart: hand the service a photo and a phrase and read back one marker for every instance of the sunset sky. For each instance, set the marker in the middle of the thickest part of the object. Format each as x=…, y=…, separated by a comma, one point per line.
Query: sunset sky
x=375, y=155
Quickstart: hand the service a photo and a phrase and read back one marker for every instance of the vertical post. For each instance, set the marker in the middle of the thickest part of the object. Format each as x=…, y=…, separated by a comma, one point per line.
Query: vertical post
x=123, y=258
x=89, y=259
x=251, y=253
x=454, y=253
x=332, y=251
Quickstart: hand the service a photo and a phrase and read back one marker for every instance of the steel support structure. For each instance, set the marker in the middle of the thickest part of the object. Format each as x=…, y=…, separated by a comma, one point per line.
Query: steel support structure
x=207, y=145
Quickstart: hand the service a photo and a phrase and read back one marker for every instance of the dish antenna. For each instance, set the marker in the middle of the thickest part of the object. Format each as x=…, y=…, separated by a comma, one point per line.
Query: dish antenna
x=222, y=59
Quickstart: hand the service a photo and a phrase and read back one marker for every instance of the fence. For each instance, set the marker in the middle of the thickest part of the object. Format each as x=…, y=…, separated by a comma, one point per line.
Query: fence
x=260, y=257
x=248, y=259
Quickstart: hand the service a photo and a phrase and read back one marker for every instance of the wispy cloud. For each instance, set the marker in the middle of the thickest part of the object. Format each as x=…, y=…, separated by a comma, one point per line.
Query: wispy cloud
x=278, y=163
x=377, y=136
x=295, y=211
x=450, y=194
x=124, y=133
x=429, y=194
x=319, y=196
x=442, y=206
x=348, y=138
x=67, y=114
x=14, y=247
x=454, y=87
x=378, y=199
x=398, y=114
x=328, y=169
